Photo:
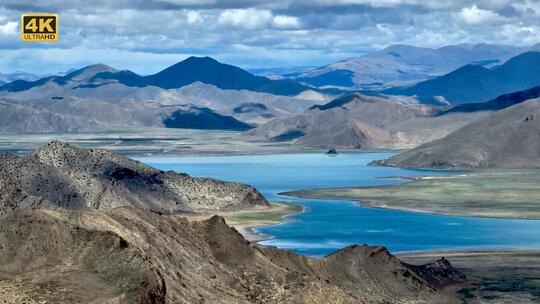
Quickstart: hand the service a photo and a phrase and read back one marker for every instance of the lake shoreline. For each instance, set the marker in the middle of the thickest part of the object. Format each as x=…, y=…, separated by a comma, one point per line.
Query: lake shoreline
x=476, y=194
x=248, y=228
x=330, y=224
x=248, y=220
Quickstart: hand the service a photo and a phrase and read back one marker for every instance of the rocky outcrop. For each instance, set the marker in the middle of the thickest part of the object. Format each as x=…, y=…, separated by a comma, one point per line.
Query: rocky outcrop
x=134, y=256
x=47, y=257
x=61, y=175
x=439, y=273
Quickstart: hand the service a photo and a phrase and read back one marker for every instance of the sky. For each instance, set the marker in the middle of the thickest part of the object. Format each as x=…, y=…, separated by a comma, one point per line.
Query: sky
x=146, y=36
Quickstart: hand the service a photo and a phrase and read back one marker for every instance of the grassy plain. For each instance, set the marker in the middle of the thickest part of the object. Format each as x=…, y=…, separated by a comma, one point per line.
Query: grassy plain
x=501, y=193
x=270, y=216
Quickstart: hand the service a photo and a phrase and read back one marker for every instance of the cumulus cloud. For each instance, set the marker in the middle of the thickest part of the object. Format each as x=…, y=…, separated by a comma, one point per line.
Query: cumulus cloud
x=245, y=18
x=255, y=33
x=194, y=17
x=474, y=15
x=282, y=21
x=9, y=28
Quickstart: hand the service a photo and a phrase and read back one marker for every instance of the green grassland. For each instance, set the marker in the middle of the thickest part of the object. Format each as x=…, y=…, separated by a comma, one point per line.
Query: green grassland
x=503, y=193
x=271, y=216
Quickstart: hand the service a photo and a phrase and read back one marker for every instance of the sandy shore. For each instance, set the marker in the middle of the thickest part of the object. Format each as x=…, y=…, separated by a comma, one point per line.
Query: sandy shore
x=246, y=221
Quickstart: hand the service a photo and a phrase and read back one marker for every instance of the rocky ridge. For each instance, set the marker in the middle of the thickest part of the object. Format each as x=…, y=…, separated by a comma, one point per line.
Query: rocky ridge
x=61, y=175
x=135, y=256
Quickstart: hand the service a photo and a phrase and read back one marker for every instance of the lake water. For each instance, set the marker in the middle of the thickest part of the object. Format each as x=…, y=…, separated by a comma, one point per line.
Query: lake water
x=328, y=225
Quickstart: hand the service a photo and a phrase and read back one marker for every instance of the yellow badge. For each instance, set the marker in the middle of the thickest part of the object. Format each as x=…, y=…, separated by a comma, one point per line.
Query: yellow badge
x=39, y=27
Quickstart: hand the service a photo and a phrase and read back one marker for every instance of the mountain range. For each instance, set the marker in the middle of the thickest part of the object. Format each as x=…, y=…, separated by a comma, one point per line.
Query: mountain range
x=399, y=64
x=202, y=93
x=203, y=69
x=357, y=121
x=210, y=95
x=7, y=78
x=474, y=83
x=501, y=102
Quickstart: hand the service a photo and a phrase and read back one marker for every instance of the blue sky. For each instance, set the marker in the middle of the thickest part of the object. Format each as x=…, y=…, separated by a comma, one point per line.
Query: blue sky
x=146, y=36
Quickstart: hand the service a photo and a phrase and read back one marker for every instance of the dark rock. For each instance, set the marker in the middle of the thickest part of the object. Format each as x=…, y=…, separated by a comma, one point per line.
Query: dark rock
x=332, y=152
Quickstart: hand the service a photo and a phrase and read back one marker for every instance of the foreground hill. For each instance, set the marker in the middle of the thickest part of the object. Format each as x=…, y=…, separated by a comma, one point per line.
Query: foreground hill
x=362, y=122
x=474, y=83
x=61, y=175
x=507, y=138
x=128, y=255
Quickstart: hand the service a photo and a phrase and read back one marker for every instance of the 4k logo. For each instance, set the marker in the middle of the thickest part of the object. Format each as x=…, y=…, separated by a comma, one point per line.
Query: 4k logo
x=39, y=27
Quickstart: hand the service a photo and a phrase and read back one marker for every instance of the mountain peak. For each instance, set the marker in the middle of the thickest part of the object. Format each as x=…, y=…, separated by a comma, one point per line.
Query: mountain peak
x=196, y=59
x=88, y=72
x=97, y=68
x=57, y=149
x=224, y=76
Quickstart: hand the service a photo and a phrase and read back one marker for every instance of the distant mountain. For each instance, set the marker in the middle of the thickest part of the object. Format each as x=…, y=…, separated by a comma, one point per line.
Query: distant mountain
x=506, y=138
x=398, y=64
x=82, y=75
x=280, y=72
x=204, y=119
x=351, y=121
x=502, y=102
x=205, y=70
x=193, y=69
x=224, y=76
x=102, y=84
x=7, y=78
x=74, y=114
x=472, y=83
x=19, y=117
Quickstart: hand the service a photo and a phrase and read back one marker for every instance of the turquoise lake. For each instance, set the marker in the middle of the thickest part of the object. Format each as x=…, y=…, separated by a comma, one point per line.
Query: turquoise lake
x=328, y=225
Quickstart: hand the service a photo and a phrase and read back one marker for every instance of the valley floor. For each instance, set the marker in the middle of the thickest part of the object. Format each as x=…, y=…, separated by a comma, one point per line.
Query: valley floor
x=499, y=193
x=153, y=141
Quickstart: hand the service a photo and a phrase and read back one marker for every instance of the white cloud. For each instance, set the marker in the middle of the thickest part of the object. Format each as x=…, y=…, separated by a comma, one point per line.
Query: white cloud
x=527, y=7
x=286, y=22
x=10, y=28
x=521, y=33
x=245, y=18
x=194, y=17
x=474, y=15
x=257, y=33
